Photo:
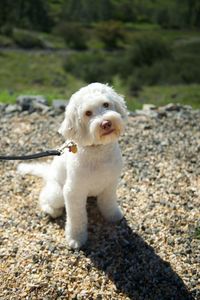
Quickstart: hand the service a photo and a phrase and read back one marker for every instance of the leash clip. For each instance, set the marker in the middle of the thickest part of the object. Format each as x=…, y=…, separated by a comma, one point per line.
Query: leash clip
x=71, y=146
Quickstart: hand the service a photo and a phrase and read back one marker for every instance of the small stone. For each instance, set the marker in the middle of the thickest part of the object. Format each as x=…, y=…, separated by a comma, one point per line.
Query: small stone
x=170, y=242
x=153, y=253
x=15, y=249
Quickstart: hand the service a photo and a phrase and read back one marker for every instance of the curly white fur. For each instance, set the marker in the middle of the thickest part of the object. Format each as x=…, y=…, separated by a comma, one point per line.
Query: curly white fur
x=94, y=119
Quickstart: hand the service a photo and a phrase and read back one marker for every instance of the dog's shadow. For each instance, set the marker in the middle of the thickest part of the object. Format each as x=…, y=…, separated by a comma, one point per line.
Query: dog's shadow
x=127, y=260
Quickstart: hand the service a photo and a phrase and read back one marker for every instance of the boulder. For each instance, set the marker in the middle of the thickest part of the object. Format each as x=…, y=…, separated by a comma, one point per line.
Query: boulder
x=59, y=104
x=32, y=103
x=11, y=108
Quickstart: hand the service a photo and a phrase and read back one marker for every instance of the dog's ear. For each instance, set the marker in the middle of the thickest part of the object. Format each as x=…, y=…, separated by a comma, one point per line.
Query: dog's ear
x=68, y=127
x=120, y=105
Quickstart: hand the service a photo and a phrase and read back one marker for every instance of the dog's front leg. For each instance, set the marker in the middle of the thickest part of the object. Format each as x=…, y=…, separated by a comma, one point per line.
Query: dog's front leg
x=107, y=203
x=76, y=225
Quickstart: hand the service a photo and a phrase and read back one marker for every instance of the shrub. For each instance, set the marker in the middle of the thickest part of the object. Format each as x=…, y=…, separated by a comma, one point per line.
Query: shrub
x=162, y=17
x=189, y=68
x=7, y=30
x=110, y=33
x=91, y=66
x=5, y=41
x=73, y=34
x=148, y=49
x=143, y=51
x=134, y=85
x=180, y=70
x=160, y=73
x=26, y=39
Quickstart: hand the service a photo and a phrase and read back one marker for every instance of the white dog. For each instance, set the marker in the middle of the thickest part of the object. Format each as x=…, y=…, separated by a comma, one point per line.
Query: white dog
x=94, y=119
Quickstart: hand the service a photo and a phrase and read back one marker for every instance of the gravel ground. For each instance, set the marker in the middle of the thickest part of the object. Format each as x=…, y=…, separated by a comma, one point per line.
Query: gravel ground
x=152, y=254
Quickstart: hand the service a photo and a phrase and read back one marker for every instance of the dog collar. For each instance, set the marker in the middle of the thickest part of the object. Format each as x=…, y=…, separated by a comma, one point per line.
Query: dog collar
x=71, y=146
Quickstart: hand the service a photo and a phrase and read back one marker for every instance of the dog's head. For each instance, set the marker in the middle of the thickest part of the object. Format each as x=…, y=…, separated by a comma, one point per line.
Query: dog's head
x=95, y=115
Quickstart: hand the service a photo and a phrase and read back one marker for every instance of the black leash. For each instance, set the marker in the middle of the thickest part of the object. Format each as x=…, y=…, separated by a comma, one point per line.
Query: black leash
x=31, y=156
x=72, y=147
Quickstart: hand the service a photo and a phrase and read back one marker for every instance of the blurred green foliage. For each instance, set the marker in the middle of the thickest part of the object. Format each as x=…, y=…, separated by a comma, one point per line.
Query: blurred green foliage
x=147, y=60
x=110, y=33
x=27, y=40
x=45, y=14
x=146, y=49
x=32, y=72
x=135, y=45
x=92, y=66
x=74, y=35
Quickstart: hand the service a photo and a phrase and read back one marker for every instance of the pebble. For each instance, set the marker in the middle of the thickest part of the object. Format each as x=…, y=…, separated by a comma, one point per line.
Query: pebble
x=153, y=253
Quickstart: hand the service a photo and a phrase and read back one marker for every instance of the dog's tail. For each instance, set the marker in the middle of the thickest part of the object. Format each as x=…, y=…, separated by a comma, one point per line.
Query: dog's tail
x=37, y=169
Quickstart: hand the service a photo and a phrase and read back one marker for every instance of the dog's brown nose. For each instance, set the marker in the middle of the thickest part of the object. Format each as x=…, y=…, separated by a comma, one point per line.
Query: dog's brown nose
x=106, y=124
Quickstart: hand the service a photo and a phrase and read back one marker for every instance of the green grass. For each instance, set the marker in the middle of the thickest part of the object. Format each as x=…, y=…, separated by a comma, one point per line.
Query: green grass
x=142, y=26
x=34, y=73
x=38, y=73
x=162, y=95
x=42, y=74
x=5, y=41
x=172, y=37
x=7, y=96
x=54, y=40
x=50, y=40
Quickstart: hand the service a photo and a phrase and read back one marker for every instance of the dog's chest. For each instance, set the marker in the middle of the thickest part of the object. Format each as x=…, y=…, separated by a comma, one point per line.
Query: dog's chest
x=102, y=168
x=95, y=172
x=100, y=175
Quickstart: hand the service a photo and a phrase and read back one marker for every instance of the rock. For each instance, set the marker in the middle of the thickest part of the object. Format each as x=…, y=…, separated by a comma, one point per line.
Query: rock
x=59, y=104
x=148, y=107
x=162, y=112
x=11, y=108
x=37, y=106
x=2, y=106
x=147, y=112
x=32, y=103
x=172, y=107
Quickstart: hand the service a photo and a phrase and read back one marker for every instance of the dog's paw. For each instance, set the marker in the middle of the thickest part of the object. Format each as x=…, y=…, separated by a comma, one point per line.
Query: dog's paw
x=76, y=242
x=53, y=212
x=114, y=216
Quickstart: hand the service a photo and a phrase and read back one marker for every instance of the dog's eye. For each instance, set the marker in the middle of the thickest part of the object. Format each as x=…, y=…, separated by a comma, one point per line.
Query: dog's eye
x=88, y=113
x=106, y=105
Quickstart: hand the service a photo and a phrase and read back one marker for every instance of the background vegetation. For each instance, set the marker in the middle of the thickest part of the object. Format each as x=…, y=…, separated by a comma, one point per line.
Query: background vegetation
x=148, y=50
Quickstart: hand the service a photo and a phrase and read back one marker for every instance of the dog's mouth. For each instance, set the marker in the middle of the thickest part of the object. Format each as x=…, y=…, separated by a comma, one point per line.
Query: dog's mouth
x=108, y=132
